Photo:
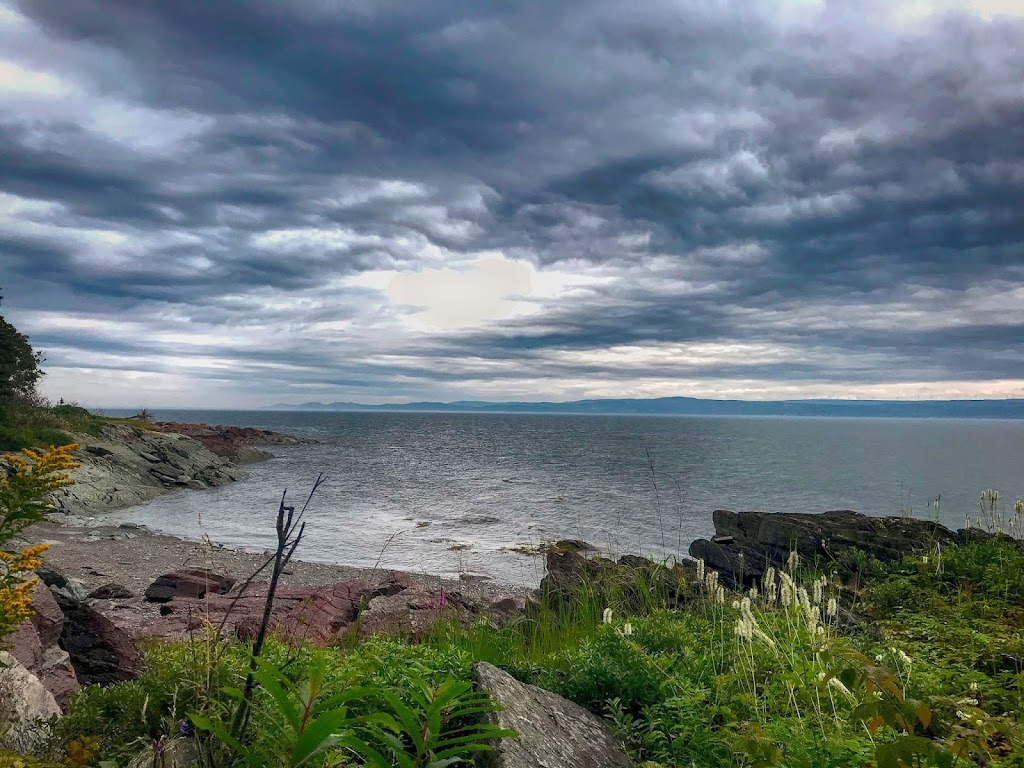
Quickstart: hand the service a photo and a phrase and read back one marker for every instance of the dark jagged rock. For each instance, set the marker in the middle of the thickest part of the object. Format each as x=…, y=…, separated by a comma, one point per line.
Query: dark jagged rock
x=632, y=582
x=101, y=652
x=552, y=731
x=187, y=582
x=746, y=544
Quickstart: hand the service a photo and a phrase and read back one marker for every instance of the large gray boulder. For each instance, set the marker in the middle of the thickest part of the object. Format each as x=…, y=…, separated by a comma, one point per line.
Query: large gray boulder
x=553, y=732
x=26, y=707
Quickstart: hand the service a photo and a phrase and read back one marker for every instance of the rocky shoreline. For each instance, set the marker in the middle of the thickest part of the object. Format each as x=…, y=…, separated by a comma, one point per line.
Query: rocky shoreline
x=124, y=465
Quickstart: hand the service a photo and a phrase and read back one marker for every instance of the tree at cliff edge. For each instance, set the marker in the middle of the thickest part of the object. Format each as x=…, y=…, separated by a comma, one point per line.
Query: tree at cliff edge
x=19, y=364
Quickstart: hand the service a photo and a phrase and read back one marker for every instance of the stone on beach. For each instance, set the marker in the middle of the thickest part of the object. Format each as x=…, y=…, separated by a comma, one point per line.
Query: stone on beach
x=187, y=582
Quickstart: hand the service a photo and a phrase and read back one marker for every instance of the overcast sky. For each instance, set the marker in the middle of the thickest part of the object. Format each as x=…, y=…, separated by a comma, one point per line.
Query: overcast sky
x=240, y=203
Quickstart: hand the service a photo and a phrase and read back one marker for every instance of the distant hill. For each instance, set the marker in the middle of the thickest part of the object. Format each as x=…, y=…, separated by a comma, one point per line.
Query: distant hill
x=692, y=406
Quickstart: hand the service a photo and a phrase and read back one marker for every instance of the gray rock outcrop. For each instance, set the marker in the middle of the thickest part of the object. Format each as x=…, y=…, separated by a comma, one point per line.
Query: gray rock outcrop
x=553, y=732
x=170, y=753
x=125, y=465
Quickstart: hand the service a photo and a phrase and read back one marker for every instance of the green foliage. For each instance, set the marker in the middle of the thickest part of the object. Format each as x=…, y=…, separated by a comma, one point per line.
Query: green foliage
x=346, y=691
x=19, y=364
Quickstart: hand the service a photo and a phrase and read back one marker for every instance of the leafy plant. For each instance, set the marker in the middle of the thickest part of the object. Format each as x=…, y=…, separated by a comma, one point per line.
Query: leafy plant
x=441, y=728
x=31, y=476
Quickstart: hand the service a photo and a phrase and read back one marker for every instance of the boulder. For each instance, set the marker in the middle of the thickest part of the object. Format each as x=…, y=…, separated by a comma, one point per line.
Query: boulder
x=111, y=591
x=631, y=583
x=312, y=614
x=746, y=544
x=503, y=611
x=34, y=643
x=100, y=652
x=26, y=707
x=187, y=582
x=552, y=731
x=58, y=674
x=409, y=613
x=167, y=753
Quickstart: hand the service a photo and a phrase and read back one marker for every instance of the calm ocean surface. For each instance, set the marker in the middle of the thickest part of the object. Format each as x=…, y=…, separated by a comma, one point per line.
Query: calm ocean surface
x=447, y=493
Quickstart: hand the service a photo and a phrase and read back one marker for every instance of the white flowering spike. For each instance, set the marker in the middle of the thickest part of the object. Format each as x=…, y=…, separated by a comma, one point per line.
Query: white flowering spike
x=606, y=617
x=627, y=629
x=720, y=595
x=817, y=589
x=764, y=638
x=700, y=570
x=793, y=561
x=837, y=685
x=832, y=609
x=735, y=605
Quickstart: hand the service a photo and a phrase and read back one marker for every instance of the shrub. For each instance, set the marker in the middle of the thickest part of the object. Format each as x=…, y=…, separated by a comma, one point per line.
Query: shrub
x=31, y=476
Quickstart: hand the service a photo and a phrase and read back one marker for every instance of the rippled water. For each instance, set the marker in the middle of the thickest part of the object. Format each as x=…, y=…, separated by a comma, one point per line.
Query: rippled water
x=447, y=493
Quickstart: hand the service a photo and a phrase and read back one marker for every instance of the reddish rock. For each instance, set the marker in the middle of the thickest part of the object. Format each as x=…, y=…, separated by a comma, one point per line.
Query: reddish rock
x=409, y=613
x=312, y=614
x=58, y=674
x=25, y=646
x=187, y=582
x=235, y=443
x=35, y=644
x=395, y=583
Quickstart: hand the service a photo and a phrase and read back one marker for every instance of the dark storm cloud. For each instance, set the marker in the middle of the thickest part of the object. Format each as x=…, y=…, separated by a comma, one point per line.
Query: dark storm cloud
x=836, y=186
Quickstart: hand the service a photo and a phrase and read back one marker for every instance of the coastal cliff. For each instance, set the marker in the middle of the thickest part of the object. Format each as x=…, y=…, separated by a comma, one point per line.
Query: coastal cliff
x=123, y=465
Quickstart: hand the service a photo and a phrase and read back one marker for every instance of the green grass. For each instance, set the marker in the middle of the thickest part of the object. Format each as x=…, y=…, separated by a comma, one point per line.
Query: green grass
x=25, y=425
x=931, y=674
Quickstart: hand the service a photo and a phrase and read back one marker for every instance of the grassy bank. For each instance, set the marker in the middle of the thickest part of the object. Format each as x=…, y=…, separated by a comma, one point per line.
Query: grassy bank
x=29, y=425
x=922, y=666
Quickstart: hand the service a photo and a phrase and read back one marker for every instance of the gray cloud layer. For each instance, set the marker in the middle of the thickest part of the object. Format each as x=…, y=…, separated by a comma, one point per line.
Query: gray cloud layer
x=722, y=199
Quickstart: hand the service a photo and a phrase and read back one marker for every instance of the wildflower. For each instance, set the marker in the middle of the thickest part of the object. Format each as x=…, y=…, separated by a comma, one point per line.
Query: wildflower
x=743, y=629
x=442, y=601
x=787, y=589
x=967, y=702
x=627, y=629
x=700, y=570
x=793, y=561
x=832, y=608
x=902, y=656
x=817, y=589
x=821, y=677
x=762, y=636
x=962, y=715
x=753, y=593
x=973, y=686
x=183, y=727
x=720, y=595
x=1018, y=507
x=606, y=616
x=837, y=685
